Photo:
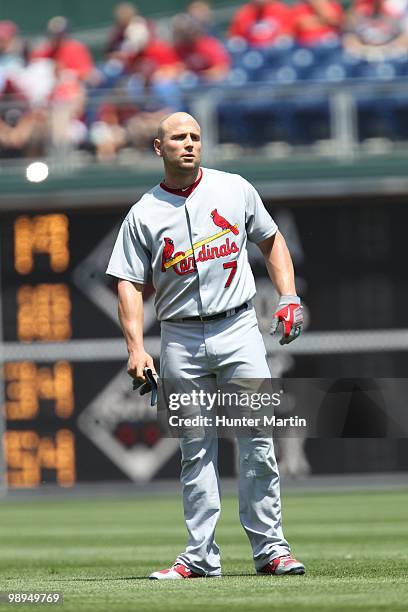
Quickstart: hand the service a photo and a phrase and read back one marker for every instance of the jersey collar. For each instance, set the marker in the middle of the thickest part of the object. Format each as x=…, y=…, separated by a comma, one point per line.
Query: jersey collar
x=184, y=193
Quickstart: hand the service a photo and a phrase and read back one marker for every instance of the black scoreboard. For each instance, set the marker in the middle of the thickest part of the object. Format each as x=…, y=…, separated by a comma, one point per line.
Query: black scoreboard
x=352, y=275
x=41, y=304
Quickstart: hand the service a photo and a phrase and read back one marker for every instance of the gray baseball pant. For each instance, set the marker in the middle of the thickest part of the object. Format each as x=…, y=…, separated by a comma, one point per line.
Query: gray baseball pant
x=228, y=348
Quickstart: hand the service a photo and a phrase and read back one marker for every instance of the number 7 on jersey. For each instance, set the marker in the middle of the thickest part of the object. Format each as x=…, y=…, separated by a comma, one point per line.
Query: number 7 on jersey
x=230, y=265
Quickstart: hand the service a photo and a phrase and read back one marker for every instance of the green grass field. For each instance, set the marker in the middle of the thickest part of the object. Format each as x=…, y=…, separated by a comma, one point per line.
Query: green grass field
x=98, y=554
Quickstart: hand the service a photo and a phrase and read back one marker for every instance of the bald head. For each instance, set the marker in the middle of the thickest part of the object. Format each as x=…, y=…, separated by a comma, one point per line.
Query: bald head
x=176, y=122
x=178, y=143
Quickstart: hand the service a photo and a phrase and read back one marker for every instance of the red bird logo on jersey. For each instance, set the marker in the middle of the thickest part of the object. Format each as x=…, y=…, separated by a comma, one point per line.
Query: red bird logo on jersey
x=185, y=262
x=223, y=223
x=168, y=251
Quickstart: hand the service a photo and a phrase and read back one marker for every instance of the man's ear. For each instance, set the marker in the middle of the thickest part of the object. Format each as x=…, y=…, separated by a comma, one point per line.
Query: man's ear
x=157, y=147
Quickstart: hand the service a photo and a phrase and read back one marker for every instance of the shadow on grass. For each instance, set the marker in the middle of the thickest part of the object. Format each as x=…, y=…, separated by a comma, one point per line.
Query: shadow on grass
x=128, y=578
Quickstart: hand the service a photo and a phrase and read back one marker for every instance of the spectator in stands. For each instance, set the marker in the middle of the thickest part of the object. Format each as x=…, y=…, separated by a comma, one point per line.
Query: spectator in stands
x=130, y=34
x=124, y=15
x=376, y=29
x=36, y=81
x=107, y=134
x=200, y=53
x=262, y=22
x=72, y=69
x=65, y=51
x=23, y=132
x=316, y=21
x=150, y=66
x=11, y=63
x=10, y=48
x=201, y=12
x=142, y=127
x=155, y=69
x=67, y=105
x=152, y=59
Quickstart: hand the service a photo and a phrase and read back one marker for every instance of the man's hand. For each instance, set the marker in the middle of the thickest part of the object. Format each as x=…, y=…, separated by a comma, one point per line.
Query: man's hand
x=137, y=362
x=290, y=316
x=141, y=369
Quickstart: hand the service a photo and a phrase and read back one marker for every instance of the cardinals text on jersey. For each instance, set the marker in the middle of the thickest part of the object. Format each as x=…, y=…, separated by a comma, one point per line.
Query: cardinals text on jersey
x=184, y=262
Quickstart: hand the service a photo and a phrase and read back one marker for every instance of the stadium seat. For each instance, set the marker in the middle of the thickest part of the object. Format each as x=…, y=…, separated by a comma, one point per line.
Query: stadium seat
x=311, y=118
x=350, y=63
x=302, y=57
x=237, y=77
x=295, y=120
x=236, y=45
x=401, y=65
x=375, y=116
x=188, y=81
x=332, y=73
x=327, y=52
x=252, y=62
x=399, y=102
x=384, y=71
x=255, y=122
x=279, y=54
x=282, y=74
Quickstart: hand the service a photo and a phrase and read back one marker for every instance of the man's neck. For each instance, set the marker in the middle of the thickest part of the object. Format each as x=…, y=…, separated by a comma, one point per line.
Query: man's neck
x=181, y=181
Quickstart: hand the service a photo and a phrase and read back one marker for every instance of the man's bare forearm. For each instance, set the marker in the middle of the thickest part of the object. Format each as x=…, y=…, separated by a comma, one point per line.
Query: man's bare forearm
x=131, y=319
x=279, y=264
x=130, y=311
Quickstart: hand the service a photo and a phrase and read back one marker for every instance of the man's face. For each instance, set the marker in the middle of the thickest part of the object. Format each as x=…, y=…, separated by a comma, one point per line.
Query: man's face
x=180, y=145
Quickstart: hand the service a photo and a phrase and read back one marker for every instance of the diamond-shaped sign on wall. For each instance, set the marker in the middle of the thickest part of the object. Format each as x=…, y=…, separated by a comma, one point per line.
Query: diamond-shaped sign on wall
x=122, y=424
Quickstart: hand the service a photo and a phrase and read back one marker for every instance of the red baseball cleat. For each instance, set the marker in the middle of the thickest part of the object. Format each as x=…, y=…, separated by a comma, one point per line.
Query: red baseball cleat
x=282, y=566
x=178, y=571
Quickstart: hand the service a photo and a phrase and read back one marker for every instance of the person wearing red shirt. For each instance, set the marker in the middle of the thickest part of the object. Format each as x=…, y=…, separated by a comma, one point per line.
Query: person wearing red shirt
x=155, y=67
x=376, y=30
x=316, y=21
x=125, y=15
x=200, y=53
x=142, y=53
x=157, y=59
x=66, y=52
x=262, y=22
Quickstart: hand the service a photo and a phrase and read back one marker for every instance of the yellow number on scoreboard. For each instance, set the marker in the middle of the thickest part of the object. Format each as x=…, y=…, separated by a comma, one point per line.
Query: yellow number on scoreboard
x=44, y=312
x=26, y=385
x=47, y=234
x=28, y=454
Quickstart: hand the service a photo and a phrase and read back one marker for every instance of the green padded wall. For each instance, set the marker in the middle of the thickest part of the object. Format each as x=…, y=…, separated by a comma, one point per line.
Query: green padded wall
x=33, y=15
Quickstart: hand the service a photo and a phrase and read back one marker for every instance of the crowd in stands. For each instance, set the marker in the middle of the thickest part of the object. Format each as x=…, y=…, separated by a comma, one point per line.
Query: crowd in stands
x=53, y=95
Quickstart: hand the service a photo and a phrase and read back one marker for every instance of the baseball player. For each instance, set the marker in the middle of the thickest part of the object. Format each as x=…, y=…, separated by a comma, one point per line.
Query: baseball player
x=189, y=235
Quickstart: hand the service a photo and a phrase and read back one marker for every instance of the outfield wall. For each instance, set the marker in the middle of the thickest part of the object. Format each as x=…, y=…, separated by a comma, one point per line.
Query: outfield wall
x=71, y=415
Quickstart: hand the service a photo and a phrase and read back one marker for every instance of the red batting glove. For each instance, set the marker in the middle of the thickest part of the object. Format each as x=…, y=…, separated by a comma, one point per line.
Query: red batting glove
x=289, y=316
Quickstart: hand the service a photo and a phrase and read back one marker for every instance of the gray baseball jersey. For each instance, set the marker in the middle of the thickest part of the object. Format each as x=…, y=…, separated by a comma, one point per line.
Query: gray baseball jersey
x=193, y=248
